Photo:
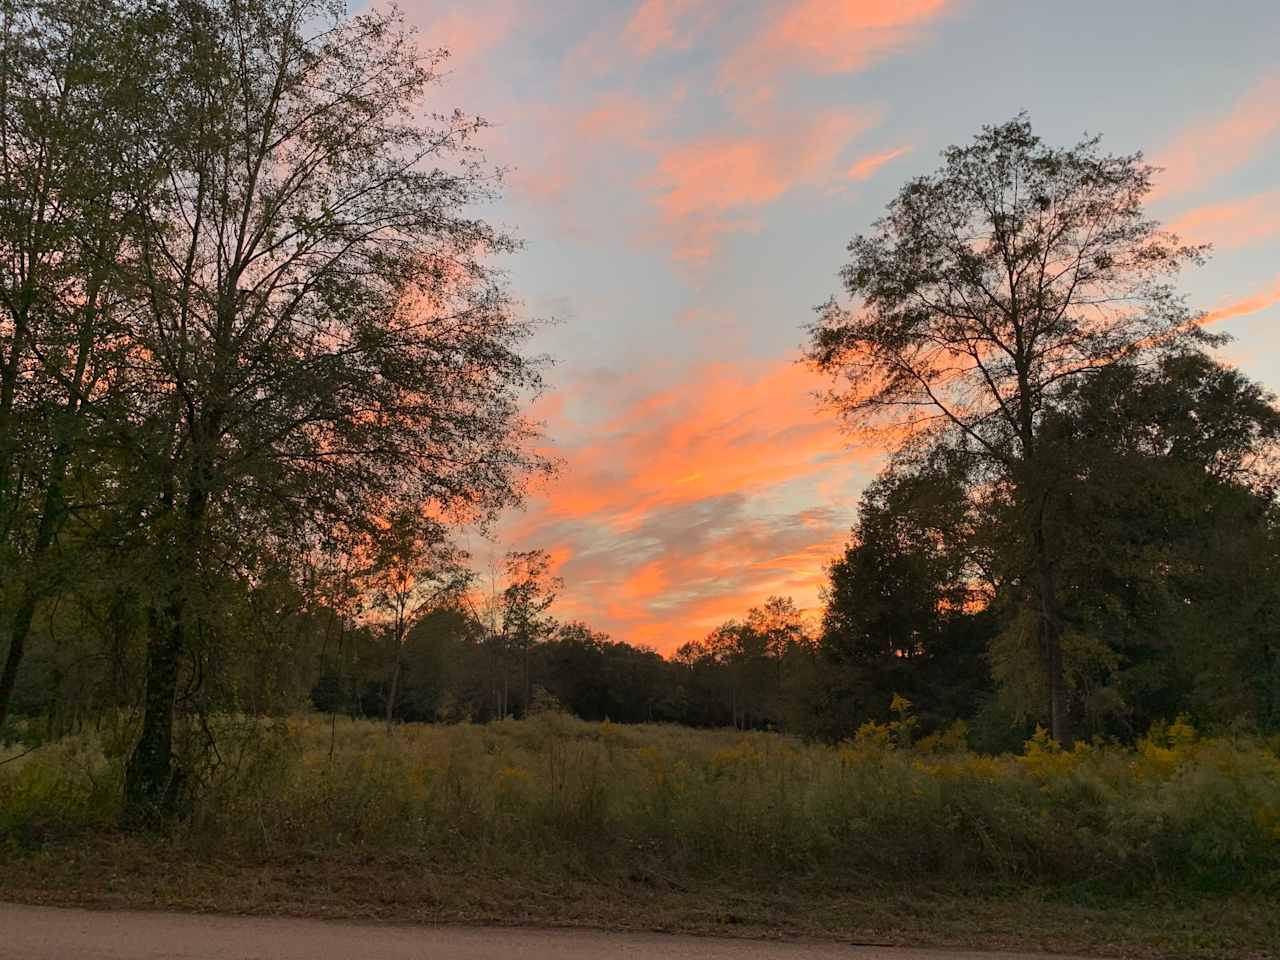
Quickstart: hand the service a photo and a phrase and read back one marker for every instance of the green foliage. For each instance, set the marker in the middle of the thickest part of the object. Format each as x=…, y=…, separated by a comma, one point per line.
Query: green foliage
x=989, y=291
x=558, y=793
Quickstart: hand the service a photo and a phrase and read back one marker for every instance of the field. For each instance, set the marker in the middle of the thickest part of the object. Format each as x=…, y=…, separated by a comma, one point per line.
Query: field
x=1172, y=846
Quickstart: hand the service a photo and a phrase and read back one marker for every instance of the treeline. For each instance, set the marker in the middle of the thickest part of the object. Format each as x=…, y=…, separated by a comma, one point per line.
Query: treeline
x=1165, y=540
x=1081, y=502
x=1167, y=546
x=456, y=666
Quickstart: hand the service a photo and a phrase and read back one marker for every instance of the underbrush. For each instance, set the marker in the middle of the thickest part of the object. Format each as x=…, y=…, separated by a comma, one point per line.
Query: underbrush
x=595, y=799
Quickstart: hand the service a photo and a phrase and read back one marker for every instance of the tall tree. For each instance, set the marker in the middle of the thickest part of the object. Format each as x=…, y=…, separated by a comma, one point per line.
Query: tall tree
x=989, y=287
x=1163, y=518
x=319, y=325
x=789, y=650
x=76, y=153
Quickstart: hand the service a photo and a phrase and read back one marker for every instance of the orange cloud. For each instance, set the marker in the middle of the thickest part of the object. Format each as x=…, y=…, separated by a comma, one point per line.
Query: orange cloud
x=666, y=24
x=681, y=594
x=686, y=504
x=829, y=36
x=727, y=429
x=1255, y=303
x=1235, y=223
x=705, y=186
x=1209, y=150
x=866, y=168
x=604, y=143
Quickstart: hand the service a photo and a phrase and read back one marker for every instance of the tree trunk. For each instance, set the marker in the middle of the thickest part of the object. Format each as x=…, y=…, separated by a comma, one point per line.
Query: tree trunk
x=528, y=689
x=26, y=609
x=1051, y=642
x=8, y=396
x=152, y=785
x=17, y=643
x=393, y=691
x=36, y=581
x=54, y=507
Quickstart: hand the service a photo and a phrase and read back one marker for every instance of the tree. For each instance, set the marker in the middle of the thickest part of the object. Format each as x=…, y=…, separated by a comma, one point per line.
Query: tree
x=414, y=570
x=75, y=120
x=1163, y=518
x=1162, y=524
x=905, y=610
x=987, y=289
x=317, y=324
x=788, y=647
x=528, y=595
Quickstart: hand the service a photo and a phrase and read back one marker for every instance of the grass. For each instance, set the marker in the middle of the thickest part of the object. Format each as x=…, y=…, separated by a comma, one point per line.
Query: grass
x=1172, y=847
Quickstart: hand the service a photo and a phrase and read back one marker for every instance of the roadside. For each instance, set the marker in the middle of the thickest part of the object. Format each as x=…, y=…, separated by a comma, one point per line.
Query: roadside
x=122, y=873
x=48, y=933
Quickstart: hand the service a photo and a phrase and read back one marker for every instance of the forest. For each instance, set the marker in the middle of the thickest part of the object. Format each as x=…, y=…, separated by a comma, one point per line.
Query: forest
x=261, y=376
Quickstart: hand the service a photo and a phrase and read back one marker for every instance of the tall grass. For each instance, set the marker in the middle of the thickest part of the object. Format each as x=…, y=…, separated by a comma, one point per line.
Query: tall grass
x=556, y=793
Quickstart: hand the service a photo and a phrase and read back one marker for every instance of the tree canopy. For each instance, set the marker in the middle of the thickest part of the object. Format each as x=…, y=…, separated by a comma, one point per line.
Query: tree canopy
x=987, y=290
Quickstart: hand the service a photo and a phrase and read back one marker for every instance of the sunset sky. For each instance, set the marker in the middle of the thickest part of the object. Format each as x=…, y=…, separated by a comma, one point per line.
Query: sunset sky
x=685, y=175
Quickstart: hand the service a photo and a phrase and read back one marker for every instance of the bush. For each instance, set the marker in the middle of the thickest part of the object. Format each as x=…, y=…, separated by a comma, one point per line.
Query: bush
x=552, y=792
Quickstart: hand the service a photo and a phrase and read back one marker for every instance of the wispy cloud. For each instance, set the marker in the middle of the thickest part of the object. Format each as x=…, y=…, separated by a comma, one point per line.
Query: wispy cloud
x=689, y=503
x=866, y=167
x=1233, y=223
x=1254, y=303
x=826, y=36
x=1215, y=147
x=467, y=30
x=708, y=187
x=667, y=24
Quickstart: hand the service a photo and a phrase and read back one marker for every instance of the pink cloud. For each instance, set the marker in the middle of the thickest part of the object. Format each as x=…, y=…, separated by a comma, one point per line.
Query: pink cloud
x=1232, y=224
x=1211, y=149
x=866, y=167
x=828, y=36
x=624, y=117
x=467, y=31
x=678, y=508
x=666, y=24
x=707, y=188
x=1254, y=303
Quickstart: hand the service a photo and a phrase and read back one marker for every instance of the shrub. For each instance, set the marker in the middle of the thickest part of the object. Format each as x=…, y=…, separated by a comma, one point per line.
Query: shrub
x=553, y=792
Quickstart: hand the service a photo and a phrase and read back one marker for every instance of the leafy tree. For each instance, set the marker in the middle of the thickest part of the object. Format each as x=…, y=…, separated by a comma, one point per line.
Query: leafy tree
x=316, y=323
x=988, y=289
x=789, y=649
x=1165, y=520
x=529, y=593
x=1162, y=521
x=758, y=671
x=76, y=148
x=905, y=604
x=413, y=570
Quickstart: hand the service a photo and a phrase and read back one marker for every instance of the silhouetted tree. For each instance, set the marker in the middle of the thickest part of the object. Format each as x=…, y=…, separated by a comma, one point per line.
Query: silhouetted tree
x=905, y=606
x=316, y=321
x=77, y=153
x=987, y=289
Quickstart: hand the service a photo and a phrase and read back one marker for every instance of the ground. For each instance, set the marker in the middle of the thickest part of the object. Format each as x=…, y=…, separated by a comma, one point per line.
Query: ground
x=120, y=872
x=1170, y=847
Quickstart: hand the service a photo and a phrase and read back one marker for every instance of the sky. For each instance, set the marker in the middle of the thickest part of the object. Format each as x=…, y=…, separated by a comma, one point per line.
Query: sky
x=685, y=175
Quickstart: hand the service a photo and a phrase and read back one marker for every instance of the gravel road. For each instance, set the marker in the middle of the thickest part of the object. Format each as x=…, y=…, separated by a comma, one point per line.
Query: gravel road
x=51, y=933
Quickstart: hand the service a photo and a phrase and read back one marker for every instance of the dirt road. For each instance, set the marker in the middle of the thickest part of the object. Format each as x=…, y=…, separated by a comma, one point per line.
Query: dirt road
x=50, y=933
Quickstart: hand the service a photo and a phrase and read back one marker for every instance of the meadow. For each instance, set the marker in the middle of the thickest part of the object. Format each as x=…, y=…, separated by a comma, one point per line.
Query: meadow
x=672, y=813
